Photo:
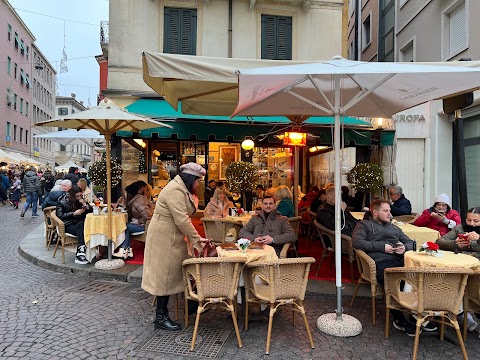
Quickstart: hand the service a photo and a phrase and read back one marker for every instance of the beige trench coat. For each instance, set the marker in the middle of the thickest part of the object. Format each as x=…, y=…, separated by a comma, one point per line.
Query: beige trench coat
x=165, y=247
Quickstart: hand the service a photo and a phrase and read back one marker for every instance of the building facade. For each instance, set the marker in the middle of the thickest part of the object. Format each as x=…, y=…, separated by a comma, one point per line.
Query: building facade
x=79, y=154
x=16, y=92
x=43, y=109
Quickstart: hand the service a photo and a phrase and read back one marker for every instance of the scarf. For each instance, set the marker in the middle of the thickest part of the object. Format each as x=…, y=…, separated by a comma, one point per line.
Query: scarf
x=469, y=228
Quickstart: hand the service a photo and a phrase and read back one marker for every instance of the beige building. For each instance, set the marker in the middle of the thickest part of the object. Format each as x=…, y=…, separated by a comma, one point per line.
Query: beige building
x=295, y=29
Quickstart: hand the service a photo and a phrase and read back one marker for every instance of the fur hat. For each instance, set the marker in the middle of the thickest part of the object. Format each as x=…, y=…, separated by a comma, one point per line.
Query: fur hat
x=193, y=169
x=443, y=198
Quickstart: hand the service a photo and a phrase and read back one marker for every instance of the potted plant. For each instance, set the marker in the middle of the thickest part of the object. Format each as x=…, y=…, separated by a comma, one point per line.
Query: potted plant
x=97, y=173
x=365, y=177
x=241, y=177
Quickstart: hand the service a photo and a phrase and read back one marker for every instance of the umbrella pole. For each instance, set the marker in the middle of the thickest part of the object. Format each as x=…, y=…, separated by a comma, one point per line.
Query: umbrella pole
x=295, y=179
x=109, y=197
x=338, y=324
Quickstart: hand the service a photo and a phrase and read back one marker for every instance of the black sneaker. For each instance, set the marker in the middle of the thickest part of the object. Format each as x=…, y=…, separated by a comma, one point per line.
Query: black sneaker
x=428, y=326
x=81, y=259
x=405, y=326
x=22, y=214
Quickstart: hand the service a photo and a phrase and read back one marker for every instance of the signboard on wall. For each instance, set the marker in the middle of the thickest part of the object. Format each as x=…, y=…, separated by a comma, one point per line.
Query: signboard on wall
x=7, y=140
x=413, y=123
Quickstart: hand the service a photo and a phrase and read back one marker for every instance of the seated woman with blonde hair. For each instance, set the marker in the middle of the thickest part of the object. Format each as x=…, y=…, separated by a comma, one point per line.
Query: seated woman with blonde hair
x=218, y=205
x=285, y=206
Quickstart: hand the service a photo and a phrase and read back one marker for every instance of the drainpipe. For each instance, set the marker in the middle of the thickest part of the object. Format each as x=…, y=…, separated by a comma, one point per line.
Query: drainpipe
x=230, y=16
x=358, y=34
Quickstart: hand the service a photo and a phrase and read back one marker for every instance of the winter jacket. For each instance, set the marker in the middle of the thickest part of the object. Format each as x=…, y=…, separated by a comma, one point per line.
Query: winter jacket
x=140, y=208
x=5, y=182
x=401, y=206
x=326, y=217
x=307, y=200
x=72, y=177
x=371, y=236
x=65, y=211
x=31, y=182
x=168, y=236
x=452, y=219
x=447, y=240
x=52, y=199
x=275, y=225
x=285, y=207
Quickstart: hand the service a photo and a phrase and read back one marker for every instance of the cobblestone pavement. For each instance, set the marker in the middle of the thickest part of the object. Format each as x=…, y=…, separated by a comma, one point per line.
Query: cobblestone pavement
x=47, y=315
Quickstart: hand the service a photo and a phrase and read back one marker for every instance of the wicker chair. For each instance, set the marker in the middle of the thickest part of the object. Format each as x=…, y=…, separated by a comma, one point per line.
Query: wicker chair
x=216, y=281
x=50, y=230
x=63, y=237
x=217, y=229
x=347, y=248
x=311, y=231
x=405, y=218
x=295, y=222
x=437, y=293
x=368, y=275
x=471, y=300
x=304, y=223
x=278, y=282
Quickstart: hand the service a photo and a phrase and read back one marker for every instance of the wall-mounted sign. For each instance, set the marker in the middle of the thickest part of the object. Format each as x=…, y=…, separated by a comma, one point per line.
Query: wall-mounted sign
x=408, y=118
x=413, y=123
x=7, y=140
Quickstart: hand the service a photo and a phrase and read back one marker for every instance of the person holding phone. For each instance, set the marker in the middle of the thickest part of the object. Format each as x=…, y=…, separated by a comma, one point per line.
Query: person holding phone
x=466, y=235
x=440, y=216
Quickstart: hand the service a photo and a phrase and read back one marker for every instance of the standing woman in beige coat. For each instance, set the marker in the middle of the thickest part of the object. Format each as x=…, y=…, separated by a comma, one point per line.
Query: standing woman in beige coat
x=171, y=238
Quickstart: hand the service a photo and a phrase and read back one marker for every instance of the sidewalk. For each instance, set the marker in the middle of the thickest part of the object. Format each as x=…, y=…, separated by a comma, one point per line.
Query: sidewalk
x=33, y=248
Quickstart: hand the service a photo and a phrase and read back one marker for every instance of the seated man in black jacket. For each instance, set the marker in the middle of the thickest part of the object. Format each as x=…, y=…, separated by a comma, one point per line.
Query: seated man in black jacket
x=326, y=214
x=53, y=196
x=400, y=205
x=386, y=244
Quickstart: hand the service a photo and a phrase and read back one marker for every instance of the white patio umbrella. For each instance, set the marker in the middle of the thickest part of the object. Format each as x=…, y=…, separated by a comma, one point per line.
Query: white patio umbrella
x=68, y=165
x=18, y=157
x=6, y=157
x=74, y=137
x=342, y=87
x=107, y=119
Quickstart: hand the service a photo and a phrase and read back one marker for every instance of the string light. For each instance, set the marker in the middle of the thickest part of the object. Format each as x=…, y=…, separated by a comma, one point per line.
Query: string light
x=241, y=176
x=98, y=173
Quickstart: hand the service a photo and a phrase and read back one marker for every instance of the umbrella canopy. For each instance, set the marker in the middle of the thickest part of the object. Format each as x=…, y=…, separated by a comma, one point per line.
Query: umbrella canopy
x=107, y=118
x=17, y=157
x=6, y=157
x=65, y=167
x=342, y=87
x=73, y=137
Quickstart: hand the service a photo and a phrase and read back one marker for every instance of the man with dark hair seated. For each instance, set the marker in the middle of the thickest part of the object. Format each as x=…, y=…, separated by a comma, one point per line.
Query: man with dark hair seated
x=269, y=227
x=386, y=244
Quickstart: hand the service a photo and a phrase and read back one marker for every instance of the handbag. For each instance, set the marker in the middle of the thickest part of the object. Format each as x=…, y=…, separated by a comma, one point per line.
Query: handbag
x=209, y=249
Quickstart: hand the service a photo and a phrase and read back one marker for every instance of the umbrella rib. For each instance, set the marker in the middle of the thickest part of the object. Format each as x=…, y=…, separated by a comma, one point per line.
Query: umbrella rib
x=312, y=80
x=208, y=93
x=308, y=101
x=121, y=125
x=364, y=93
x=92, y=123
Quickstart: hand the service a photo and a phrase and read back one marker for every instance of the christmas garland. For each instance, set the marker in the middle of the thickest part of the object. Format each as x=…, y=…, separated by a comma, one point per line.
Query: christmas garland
x=365, y=176
x=98, y=173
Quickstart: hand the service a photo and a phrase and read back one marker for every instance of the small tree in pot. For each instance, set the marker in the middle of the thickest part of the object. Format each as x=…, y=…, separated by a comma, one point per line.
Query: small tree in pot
x=241, y=177
x=365, y=177
x=97, y=173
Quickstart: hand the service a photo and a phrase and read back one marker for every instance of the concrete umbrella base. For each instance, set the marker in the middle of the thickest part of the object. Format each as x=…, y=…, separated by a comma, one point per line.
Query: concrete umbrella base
x=109, y=265
x=347, y=327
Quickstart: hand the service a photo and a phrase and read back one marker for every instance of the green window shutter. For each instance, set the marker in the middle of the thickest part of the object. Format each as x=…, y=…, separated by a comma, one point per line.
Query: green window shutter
x=180, y=31
x=276, y=37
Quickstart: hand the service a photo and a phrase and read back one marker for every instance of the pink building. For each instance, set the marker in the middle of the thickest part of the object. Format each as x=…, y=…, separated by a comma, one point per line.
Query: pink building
x=15, y=81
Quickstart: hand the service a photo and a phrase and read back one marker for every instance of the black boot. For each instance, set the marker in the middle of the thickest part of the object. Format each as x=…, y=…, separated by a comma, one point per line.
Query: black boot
x=192, y=307
x=162, y=320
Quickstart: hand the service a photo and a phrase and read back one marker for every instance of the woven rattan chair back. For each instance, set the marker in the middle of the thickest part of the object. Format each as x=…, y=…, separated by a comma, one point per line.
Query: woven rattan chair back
x=212, y=281
x=347, y=247
x=63, y=238
x=436, y=293
x=278, y=282
x=50, y=230
x=217, y=229
x=471, y=299
x=368, y=275
x=295, y=222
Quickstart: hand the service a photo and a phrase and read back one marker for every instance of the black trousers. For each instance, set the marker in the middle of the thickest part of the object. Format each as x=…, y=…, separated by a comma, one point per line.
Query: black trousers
x=77, y=229
x=381, y=266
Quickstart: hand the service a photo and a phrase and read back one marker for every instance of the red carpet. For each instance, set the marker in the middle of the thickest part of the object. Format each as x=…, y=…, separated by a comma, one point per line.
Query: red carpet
x=314, y=249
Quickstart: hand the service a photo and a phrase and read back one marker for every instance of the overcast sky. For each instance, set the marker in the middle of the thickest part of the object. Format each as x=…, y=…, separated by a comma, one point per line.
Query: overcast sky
x=81, y=40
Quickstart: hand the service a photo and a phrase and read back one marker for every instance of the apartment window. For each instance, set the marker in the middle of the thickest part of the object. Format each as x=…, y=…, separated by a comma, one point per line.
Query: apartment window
x=386, y=33
x=16, y=41
x=15, y=101
x=26, y=108
x=180, y=31
x=14, y=132
x=9, y=65
x=407, y=53
x=21, y=106
x=455, y=30
x=22, y=76
x=351, y=51
x=62, y=111
x=7, y=130
x=26, y=52
x=366, y=32
x=21, y=134
x=27, y=81
x=9, y=35
x=26, y=137
x=15, y=71
x=22, y=47
x=276, y=37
